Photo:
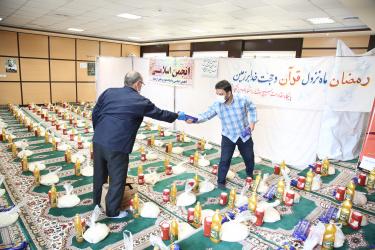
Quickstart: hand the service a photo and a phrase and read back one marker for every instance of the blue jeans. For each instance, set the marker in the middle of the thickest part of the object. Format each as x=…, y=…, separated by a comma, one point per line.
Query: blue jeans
x=227, y=150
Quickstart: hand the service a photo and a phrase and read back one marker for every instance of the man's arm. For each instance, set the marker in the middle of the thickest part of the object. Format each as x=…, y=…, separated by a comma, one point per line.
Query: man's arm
x=162, y=115
x=207, y=115
x=250, y=106
x=96, y=111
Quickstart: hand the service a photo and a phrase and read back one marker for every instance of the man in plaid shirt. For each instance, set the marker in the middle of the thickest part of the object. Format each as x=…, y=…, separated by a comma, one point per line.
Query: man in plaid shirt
x=233, y=111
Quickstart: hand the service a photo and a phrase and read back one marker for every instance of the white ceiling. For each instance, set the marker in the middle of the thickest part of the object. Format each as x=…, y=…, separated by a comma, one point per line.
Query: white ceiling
x=165, y=20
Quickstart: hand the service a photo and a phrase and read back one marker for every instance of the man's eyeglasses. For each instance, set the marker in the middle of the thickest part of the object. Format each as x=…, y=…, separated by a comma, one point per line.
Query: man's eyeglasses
x=142, y=83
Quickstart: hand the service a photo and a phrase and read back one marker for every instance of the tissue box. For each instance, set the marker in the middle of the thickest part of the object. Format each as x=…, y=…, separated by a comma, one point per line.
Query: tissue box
x=130, y=190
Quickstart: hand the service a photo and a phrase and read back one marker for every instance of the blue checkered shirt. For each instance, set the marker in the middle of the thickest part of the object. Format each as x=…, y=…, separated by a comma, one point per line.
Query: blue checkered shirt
x=233, y=118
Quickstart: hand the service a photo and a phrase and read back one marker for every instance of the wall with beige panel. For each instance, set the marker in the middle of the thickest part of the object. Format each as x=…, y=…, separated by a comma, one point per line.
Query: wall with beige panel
x=179, y=49
x=87, y=50
x=86, y=91
x=33, y=45
x=36, y=92
x=34, y=69
x=65, y=91
x=130, y=49
x=110, y=49
x=62, y=48
x=8, y=43
x=10, y=92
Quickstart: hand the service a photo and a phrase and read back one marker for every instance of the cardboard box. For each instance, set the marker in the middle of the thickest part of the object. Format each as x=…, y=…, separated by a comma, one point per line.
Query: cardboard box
x=130, y=190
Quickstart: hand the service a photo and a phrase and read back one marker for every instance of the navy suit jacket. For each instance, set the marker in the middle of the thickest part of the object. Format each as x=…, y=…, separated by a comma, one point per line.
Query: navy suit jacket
x=118, y=115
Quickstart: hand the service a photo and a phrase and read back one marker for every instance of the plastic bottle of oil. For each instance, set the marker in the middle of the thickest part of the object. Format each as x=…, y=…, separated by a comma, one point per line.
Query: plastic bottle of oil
x=69, y=156
x=280, y=190
x=196, y=188
x=148, y=126
x=174, y=230
x=309, y=180
x=232, y=198
x=136, y=206
x=345, y=212
x=170, y=147
x=153, y=142
x=196, y=159
x=350, y=191
x=36, y=176
x=173, y=198
x=14, y=150
x=197, y=215
x=159, y=129
x=166, y=163
x=183, y=137
x=282, y=166
x=77, y=168
x=25, y=165
x=215, y=227
x=142, y=149
x=371, y=180
x=46, y=136
x=325, y=167
x=253, y=200
x=53, y=196
x=4, y=135
x=140, y=169
x=78, y=228
x=329, y=236
x=203, y=143
x=54, y=148
x=256, y=183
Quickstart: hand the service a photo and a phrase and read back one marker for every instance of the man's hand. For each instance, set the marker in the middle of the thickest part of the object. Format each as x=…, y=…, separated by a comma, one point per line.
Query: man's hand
x=181, y=116
x=189, y=121
x=251, y=126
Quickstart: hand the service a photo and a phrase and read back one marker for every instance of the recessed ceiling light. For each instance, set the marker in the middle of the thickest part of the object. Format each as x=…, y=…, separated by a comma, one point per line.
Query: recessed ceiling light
x=327, y=34
x=129, y=16
x=322, y=20
x=134, y=38
x=198, y=31
x=1, y=19
x=74, y=29
x=259, y=37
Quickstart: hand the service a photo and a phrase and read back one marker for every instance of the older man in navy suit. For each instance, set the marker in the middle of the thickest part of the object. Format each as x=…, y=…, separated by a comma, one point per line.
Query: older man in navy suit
x=116, y=118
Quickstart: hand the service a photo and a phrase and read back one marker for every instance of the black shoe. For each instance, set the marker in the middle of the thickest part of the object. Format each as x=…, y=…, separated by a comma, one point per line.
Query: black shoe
x=221, y=186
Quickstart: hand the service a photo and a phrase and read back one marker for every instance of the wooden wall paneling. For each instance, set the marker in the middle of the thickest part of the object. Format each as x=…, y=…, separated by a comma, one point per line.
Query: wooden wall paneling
x=82, y=75
x=130, y=49
x=10, y=92
x=33, y=45
x=210, y=46
x=87, y=50
x=331, y=42
x=62, y=70
x=179, y=46
x=371, y=44
x=62, y=48
x=34, y=69
x=65, y=91
x=9, y=76
x=318, y=52
x=286, y=44
x=36, y=92
x=8, y=43
x=235, y=48
x=86, y=91
x=179, y=53
x=110, y=49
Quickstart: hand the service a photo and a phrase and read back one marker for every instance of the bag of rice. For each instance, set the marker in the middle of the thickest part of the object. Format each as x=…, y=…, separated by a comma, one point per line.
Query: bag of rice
x=179, y=169
x=359, y=198
x=79, y=156
x=331, y=170
x=297, y=197
x=314, y=236
x=317, y=183
x=97, y=231
x=68, y=200
x=7, y=218
x=205, y=213
x=177, y=150
x=149, y=210
x=234, y=230
x=270, y=214
x=236, y=154
x=140, y=136
x=50, y=178
x=184, y=230
x=159, y=143
x=263, y=187
x=2, y=191
x=187, y=198
x=151, y=156
x=128, y=240
x=208, y=146
x=257, y=160
x=22, y=144
x=152, y=177
x=206, y=186
x=241, y=199
x=24, y=151
x=156, y=242
x=230, y=175
x=203, y=162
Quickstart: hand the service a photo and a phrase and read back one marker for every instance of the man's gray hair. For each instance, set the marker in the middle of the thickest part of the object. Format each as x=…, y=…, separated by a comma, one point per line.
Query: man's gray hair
x=132, y=77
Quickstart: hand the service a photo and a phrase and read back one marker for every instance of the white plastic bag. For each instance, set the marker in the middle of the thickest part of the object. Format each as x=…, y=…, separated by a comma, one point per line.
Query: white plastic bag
x=140, y=136
x=331, y=170
x=257, y=160
x=206, y=186
x=159, y=143
x=79, y=156
x=359, y=198
x=68, y=200
x=184, y=230
x=208, y=146
x=50, y=178
x=317, y=183
x=205, y=213
x=2, y=191
x=203, y=162
x=39, y=164
x=270, y=213
x=187, y=198
x=177, y=150
x=263, y=187
x=88, y=170
x=339, y=236
x=152, y=177
x=179, y=169
x=230, y=174
x=149, y=210
x=151, y=156
x=128, y=240
x=314, y=236
x=136, y=147
x=236, y=154
x=24, y=151
x=97, y=231
x=22, y=144
x=9, y=217
x=297, y=197
x=234, y=230
x=167, y=133
x=63, y=147
x=156, y=242
x=241, y=199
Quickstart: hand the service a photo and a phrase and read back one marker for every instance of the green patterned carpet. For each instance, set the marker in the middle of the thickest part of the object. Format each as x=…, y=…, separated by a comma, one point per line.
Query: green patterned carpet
x=52, y=228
